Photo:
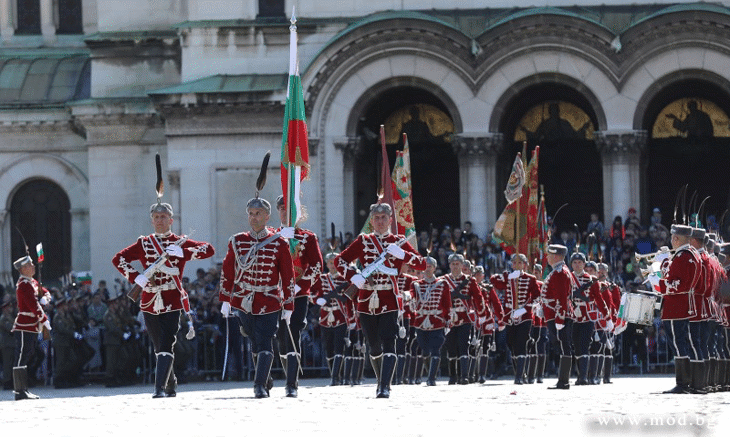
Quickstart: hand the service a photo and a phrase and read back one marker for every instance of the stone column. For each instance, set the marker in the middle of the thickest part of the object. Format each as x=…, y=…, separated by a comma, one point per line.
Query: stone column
x=349, y=146
x=621, y=155
x=7, y=29
x=48, y=26
x=477, y=178
x=6, y=272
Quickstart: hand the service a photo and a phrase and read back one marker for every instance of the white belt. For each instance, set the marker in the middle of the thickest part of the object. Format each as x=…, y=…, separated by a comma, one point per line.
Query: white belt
x=172, y=271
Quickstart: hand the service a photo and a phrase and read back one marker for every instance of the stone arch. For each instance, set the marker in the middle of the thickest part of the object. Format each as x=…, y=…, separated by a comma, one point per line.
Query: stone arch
x=64, y=174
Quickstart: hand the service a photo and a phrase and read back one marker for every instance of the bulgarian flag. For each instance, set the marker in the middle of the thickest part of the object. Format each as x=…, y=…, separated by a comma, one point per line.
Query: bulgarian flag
x=39, y=251
x=295, y=145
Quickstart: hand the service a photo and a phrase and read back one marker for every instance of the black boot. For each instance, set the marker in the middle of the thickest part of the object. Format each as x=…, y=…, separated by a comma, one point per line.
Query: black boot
x=698, y=371
x=432, y=370
x=463, y=370
x=377, y=363
x=292, y=375
x=566, y=364
x=519, y=363
x=336, y=366
x=20, y=384
x=599, y=370
x=420, y=361
x=162, y=373
x=453, y=375
x=410, y=377
x=472, y=369
x=483, y=364
x=357, y=364
x=531, y=368
x=400, y=369
x=607, y=369
x=582, y=371
x=711, y=385
x=347, y=371
x=683, y=376
x=540, y=371
x=388, y=363
x=723, y=375
x=171, y=384
x=263, y=370
x=360, y=370
x=592, y=369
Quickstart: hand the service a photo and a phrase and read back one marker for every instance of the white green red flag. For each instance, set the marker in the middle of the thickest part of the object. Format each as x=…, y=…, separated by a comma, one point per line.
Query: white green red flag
x=295, y=143
x=39, y=251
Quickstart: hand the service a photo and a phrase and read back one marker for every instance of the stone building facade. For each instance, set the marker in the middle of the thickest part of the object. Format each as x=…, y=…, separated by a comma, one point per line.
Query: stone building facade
x=613, y=93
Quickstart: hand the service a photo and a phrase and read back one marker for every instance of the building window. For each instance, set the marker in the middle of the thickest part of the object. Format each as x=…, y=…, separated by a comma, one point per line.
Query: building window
x=69, y=17
x=271, y=8
x=29, y=17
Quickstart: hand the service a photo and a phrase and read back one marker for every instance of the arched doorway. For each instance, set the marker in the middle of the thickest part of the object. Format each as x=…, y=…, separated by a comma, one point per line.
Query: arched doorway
x=561, y=121
x=41, y=210
x=688, y=144
x=434, y=165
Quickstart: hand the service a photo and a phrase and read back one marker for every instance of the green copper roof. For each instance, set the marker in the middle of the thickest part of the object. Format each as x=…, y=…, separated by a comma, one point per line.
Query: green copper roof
x=690, y=7
x=224, y=83
x=43, y=79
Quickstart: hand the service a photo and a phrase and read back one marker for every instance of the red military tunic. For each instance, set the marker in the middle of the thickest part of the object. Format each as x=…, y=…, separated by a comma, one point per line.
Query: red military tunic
x=30, y=316
x=460, y=307
x=520, y=291
x=307, y=260
x=405, y=282
x=712, y=300
x=538, y=319
x=258, y=278
x=611, y=294
x=555, y=293
x=703, y=290
x=596, y=308
x=164, y=292
x=431, y=304
x=335, y=312
x=494, y=312
x=682, y=276
x=380, y=294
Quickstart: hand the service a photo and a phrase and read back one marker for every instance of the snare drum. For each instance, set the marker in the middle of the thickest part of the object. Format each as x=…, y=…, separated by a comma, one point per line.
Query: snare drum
x=639, y=308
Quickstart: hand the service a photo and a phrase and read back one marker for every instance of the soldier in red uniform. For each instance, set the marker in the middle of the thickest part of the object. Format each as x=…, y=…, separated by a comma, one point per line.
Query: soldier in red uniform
x=539, y=335
x=588, y=308
x=699, y=321
x=713, y=323
x=31, y=319
x=335, y=313
x=377, y=298
x=257, y=279
x=431, y=312
x=558, y=310
x=307, y=259
x=163, y=297
x=403, y=343
x=466, y=297
x=677, y=285
x=490, y=323
x=602, y=324
x=520, y=291
x=612, y=297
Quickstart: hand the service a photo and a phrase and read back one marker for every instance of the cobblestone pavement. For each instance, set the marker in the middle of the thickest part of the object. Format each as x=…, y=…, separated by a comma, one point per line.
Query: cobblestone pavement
x=630, y=406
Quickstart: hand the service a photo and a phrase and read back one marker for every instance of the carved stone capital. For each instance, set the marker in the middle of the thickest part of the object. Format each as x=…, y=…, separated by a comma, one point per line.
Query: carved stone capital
x=629, y=142
x=471, y=145
x=349, y=146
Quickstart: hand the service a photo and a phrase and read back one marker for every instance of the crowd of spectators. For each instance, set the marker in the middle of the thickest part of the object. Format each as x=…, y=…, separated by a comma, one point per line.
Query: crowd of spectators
x=203, y=356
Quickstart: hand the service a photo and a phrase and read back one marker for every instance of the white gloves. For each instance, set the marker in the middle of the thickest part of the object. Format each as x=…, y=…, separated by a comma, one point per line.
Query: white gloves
x=286, y=315
x=358, y=280
x=351, y=326
x=226, y=309
x=141, y=280
x=559, y=326
x=297, y=289
x=516, y=314
x=174, y=250
x=446, y=331
x=396, y=251
x=287, y=233
x=609, y=326
x=321, y=301
x=45, y=300
x=126, y=335
x=78, y=336
x=47, y=325
x=482, y=320
x=191, y=331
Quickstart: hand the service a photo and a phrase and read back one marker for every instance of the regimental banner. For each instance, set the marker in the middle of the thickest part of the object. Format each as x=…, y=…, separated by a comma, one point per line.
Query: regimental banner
x=402, y=197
